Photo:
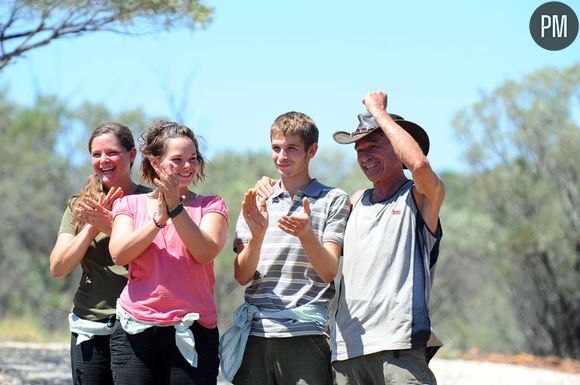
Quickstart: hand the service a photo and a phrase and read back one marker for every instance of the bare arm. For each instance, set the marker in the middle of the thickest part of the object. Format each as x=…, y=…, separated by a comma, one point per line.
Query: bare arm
x=322, y=256
x=355, y=197
x=246, y=262
x=256, y=217
x=206, y=241
x=429, y=188
x=126, y=243
x=69, y=250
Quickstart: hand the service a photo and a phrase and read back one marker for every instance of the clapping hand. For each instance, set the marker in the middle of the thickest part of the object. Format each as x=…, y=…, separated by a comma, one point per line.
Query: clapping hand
x=99, y=214
x=299, y=224
x=264, y=188
x=167, y=183
x=255, y=214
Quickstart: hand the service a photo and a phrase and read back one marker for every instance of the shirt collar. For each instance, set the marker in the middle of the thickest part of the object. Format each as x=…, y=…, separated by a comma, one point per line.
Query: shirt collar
x=312, y=190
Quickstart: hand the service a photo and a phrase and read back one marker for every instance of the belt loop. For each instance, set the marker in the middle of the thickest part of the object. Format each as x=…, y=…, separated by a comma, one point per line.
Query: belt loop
x=397, y=353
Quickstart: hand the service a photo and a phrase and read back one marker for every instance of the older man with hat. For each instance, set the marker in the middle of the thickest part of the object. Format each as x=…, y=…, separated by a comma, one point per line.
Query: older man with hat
x=381, y=333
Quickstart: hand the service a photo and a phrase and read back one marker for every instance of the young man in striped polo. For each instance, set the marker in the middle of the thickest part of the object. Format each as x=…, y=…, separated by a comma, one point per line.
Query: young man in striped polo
x=288, y=247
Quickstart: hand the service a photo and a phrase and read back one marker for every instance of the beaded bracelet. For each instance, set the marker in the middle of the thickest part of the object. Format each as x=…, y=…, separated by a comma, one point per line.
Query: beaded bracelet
x=159, y=225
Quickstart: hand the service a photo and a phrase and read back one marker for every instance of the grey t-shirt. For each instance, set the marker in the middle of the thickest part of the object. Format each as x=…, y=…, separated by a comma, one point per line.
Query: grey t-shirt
x=387, y=270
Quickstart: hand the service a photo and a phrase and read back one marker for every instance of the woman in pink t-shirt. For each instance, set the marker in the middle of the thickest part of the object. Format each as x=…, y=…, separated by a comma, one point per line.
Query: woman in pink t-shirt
x=169, y=238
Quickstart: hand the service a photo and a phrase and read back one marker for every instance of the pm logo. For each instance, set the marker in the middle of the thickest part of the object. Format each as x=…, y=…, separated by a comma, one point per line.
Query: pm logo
x=554, y=26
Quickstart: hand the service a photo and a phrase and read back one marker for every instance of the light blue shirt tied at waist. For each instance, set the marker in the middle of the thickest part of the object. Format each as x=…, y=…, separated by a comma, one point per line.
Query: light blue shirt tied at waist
x=183, y=335
x=86, y=329
x=233, y=341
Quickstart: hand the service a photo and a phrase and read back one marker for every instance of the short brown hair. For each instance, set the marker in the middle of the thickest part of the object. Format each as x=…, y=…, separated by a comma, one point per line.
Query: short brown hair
x=296, y=123
x=153, y=144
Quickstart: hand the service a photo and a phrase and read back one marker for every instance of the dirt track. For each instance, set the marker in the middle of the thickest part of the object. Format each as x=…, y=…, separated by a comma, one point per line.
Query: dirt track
x=27, y=364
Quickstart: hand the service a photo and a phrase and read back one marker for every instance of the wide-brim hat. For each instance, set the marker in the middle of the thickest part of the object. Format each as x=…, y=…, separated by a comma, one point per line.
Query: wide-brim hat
x=367, y=125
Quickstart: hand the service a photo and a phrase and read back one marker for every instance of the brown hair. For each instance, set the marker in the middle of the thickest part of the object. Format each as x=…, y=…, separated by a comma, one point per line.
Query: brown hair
x=296, y=123
x=94, y=186
x=153, y=145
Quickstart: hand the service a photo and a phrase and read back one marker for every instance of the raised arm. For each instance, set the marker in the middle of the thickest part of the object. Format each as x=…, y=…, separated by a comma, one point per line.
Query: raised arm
x=256, y=217
x=323, y=257
x=69, y=250
x=429, y=189
x=205, y=241
x=127, y=243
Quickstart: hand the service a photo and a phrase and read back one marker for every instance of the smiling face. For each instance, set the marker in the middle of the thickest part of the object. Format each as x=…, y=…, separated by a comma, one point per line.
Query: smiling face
x=111, y=161
x=377, y=158
x=289, y=155
x=180, y=155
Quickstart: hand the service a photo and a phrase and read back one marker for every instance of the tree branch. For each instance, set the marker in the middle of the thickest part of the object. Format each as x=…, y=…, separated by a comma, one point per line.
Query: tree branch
x=58, y=19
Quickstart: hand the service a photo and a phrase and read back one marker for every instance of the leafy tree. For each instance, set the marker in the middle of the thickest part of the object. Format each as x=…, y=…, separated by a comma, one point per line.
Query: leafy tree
x=29, y=24
x=523, y=141
x=469, y=307
x=33, y=182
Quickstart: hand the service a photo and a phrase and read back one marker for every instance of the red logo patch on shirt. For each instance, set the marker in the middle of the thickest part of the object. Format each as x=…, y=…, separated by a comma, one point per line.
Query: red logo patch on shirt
x=396, y=212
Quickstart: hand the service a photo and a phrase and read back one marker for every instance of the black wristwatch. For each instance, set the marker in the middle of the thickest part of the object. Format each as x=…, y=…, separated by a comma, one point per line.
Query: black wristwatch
x=173, y=213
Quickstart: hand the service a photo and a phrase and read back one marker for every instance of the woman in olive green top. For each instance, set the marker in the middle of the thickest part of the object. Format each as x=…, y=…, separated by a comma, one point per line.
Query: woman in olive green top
x=84, y=239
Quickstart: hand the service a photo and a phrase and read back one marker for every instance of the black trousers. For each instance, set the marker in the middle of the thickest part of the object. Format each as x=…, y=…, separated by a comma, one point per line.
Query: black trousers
x=91, y=361
x=152, y=357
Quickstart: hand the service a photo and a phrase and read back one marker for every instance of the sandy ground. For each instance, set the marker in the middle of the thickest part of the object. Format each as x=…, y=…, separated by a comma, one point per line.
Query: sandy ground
x=44, y=364
x=458, y=372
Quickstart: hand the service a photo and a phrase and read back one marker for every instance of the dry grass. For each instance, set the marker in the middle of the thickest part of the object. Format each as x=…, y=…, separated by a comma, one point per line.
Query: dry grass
x=28, y=330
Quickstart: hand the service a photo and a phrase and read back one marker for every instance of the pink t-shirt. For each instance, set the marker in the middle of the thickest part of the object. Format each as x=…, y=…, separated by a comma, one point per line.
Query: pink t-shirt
x=165, y=281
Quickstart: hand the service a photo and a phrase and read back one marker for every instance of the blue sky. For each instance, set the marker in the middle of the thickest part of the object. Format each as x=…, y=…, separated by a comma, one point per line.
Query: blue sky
x=258, y=59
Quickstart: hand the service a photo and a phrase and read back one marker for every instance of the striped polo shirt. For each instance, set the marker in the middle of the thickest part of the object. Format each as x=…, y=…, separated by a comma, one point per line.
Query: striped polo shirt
x=284, y=278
